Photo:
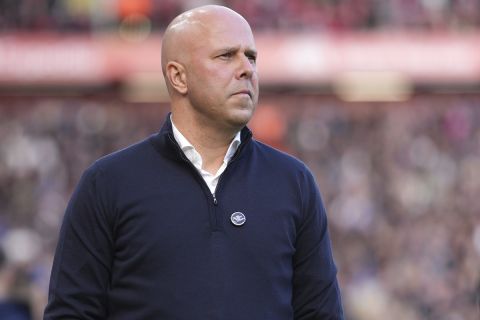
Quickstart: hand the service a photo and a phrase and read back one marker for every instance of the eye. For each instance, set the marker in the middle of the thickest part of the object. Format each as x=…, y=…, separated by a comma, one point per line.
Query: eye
x=226, y=55
x=252, y=58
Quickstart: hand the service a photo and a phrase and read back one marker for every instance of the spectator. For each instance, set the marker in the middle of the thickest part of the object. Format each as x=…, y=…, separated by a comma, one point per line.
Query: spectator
x=328, y=15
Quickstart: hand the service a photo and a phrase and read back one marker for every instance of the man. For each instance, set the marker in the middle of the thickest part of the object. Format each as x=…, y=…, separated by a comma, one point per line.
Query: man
x=199, y=221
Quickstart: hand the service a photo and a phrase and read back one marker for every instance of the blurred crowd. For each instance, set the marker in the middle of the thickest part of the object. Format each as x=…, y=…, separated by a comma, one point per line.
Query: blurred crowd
x=400, y=182
x=45, y=145
x=303, y=15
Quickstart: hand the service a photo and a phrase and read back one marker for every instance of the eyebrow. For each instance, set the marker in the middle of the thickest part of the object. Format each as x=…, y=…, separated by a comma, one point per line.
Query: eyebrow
x=251, y=52
x=248, y=51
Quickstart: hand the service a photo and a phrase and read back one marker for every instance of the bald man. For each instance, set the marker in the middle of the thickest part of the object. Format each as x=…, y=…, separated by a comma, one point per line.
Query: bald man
x=198, y=221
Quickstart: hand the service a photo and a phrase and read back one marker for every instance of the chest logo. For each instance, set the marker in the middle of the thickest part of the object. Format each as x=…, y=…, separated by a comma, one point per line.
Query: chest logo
x=238, y=219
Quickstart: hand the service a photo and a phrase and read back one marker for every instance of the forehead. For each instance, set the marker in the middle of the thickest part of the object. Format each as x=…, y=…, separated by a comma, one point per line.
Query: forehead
x=217, y=31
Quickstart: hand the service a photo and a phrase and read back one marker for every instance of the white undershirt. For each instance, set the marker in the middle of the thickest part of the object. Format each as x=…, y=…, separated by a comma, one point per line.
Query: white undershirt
x=196, y=159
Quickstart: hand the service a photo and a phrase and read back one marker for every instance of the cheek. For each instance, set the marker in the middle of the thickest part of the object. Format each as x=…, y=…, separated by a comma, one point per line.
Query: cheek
x=222, y=74
x=255, y=82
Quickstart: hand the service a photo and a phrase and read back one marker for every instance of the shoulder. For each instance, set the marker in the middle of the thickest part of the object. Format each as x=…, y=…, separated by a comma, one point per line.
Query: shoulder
x=120, y=165
x=280, y=166
x=114, y=172
x=128, y=157
x=277, y=159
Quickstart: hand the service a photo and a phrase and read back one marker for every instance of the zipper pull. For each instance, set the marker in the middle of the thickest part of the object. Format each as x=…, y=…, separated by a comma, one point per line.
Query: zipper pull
x=215, y=202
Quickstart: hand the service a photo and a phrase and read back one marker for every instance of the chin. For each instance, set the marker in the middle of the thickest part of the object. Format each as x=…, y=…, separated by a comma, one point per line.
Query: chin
x=240, y=118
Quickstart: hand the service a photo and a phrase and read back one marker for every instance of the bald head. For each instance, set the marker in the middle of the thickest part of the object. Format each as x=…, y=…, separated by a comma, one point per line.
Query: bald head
x=209, y=64
x=189, y=30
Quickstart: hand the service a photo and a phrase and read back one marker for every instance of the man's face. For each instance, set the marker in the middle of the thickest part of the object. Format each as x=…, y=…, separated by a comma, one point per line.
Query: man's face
x=221, y=72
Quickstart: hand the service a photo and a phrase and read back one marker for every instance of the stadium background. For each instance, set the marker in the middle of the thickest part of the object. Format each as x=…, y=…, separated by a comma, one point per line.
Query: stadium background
x=380, y=98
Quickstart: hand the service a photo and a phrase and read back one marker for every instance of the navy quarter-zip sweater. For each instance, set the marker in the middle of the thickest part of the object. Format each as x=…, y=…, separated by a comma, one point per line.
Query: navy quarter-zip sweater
x=143, y=238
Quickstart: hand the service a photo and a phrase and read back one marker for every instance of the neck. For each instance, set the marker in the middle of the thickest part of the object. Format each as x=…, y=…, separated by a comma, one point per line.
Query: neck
x=211, y=143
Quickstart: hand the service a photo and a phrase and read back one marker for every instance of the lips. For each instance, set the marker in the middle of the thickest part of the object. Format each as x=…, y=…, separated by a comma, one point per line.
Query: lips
x=245, y=91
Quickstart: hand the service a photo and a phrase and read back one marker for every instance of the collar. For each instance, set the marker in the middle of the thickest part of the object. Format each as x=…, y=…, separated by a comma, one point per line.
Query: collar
x=192, y=154
x=164, y=141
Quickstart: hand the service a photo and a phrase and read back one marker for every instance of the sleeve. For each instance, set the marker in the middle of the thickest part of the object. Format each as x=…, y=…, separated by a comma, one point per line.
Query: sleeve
x=83, y=258
x=316, y=293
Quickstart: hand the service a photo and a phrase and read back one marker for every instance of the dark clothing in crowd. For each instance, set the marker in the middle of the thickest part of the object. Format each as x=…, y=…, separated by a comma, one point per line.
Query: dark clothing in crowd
x=13, y=310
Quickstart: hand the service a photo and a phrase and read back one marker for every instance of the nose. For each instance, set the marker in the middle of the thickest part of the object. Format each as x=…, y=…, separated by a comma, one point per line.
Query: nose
x=247, y=68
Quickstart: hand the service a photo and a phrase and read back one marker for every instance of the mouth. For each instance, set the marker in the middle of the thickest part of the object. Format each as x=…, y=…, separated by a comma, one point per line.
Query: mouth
x=244, y=92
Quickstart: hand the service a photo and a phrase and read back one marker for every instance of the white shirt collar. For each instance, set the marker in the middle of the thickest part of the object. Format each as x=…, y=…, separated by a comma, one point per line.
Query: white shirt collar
x=192, y=154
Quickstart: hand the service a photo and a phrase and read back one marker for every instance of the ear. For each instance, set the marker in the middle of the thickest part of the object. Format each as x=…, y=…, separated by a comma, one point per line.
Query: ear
x=177, y=77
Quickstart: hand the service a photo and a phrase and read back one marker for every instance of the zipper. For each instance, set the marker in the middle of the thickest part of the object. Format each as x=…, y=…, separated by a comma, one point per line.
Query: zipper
x=198, y=175
x=233, y=159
